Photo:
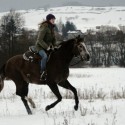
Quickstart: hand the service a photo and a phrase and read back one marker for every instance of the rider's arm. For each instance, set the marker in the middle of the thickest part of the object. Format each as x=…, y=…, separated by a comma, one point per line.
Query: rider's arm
x=41, y=34
x=54, y=42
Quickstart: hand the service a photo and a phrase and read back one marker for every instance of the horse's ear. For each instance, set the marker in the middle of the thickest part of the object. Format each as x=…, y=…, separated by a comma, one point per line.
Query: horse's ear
x=79, y=39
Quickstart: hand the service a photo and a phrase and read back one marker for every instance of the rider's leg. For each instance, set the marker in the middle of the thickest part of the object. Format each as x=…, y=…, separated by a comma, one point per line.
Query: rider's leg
x=43, y=54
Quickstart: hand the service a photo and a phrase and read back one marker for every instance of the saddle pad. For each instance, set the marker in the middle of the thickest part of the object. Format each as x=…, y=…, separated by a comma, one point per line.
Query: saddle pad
x=28, y=55
x=33, y=49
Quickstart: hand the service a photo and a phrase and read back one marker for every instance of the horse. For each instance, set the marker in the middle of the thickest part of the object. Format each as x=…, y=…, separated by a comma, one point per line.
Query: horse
x=22, y=72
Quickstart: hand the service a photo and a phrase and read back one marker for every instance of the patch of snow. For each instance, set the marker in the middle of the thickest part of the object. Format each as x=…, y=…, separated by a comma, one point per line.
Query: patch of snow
x=90, y=82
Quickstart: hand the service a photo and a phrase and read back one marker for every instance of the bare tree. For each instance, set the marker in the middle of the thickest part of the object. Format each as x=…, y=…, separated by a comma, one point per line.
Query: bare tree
x=10, y=25
x=121, y=48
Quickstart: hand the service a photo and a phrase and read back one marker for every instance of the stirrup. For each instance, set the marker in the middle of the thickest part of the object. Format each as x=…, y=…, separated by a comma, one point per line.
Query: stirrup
x=43, y=75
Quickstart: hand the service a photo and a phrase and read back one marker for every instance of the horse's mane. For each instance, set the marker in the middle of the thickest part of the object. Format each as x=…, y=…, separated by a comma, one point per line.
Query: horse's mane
x=69, y=44
x=79, y=39
x=64, y=43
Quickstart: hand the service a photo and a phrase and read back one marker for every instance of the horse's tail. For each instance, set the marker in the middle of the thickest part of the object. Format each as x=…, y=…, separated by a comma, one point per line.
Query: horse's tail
x=2, y=76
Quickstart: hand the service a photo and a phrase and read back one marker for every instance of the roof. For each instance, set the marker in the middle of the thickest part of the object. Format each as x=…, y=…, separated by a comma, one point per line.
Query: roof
x=74, y=32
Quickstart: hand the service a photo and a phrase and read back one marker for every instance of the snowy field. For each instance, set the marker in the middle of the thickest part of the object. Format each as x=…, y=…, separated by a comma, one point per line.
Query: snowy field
x=84, y=17
x=102, y=101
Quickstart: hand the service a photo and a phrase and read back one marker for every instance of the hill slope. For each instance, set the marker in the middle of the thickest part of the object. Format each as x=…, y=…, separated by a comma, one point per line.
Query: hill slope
x=82, y=16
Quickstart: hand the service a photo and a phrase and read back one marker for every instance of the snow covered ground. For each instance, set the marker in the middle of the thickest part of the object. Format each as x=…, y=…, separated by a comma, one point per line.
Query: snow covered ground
x=102, y=101
x=83, y=17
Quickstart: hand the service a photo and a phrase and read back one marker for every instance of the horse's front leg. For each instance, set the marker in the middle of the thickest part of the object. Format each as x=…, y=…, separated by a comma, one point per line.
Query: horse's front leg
x=55, y=90
x=66, y=84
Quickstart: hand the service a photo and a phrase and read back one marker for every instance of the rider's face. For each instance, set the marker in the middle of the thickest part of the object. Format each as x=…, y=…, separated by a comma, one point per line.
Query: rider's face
x=52, y=21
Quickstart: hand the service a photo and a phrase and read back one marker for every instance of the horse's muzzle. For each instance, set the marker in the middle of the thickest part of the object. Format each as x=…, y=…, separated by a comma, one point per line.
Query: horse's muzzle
x=85, y=58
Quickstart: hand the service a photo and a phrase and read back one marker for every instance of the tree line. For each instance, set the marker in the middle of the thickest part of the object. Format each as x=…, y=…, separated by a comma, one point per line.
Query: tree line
x=14, y=38
x=106, y=48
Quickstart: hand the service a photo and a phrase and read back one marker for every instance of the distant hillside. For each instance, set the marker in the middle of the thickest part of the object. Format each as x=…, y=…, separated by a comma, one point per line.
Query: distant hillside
x=82, y=16
x=6, y=5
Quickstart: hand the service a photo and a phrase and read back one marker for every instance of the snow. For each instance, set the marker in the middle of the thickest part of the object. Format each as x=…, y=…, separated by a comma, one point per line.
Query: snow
x=76, y=31
x=83, y=17
x=102, y=100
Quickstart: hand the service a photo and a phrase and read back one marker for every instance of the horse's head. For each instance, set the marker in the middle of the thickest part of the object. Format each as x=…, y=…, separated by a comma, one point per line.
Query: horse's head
x=80, y=49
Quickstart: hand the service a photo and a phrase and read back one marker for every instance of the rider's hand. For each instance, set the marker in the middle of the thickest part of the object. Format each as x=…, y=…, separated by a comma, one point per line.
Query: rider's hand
x=50, y=48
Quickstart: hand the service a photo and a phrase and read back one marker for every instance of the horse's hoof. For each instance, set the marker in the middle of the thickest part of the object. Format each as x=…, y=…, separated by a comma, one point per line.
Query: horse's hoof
x=30, y=113
x=47, y=108
x=76, y=107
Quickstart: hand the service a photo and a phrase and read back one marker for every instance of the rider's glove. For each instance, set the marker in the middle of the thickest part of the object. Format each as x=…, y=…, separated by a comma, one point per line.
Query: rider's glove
x=50, y=48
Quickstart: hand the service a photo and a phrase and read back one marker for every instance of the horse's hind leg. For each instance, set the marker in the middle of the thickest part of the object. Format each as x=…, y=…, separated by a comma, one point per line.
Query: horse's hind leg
x=22, y=91
x=23, y=97
x=55, y=90
x=67, y=85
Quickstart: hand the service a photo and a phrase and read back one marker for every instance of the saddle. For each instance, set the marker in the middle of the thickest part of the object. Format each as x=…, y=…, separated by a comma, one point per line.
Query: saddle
x=32, y=55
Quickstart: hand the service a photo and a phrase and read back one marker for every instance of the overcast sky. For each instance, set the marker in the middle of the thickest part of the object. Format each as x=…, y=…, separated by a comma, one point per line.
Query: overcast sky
x=6, y=5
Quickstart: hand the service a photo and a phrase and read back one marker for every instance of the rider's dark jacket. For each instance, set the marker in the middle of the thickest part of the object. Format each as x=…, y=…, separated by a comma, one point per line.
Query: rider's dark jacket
x=46, y=36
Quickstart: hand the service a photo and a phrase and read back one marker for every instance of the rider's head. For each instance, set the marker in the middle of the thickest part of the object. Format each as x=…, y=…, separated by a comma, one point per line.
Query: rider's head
x=51, y=18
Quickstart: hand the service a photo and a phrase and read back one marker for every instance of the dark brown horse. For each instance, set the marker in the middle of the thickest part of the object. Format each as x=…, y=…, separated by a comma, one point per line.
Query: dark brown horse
x=23, y=72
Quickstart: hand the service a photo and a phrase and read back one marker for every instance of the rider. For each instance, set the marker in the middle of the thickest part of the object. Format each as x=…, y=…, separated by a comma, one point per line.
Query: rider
x=46, y=40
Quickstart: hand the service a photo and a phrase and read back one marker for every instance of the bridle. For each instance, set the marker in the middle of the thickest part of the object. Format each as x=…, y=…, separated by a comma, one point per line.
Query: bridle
x=76, y=62
x=77, y=57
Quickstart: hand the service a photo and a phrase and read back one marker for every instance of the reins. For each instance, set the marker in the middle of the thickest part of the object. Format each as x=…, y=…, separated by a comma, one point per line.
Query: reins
x=76, y=62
